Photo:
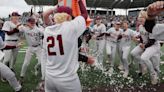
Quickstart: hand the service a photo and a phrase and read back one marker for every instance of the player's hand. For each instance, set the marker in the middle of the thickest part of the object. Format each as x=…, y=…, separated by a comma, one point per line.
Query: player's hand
x=20, y=44
x=119, y=37
x=155, y=8
x=91, y=60
x=142, y=46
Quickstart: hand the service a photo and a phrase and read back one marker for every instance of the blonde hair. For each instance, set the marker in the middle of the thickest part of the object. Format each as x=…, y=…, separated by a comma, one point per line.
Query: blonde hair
x=61, y=17
x=142, y=14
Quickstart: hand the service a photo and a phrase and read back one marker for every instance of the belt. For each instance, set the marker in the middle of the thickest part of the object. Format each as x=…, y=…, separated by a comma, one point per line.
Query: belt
x=12, y=40
x=35, y=45
x=99, y=39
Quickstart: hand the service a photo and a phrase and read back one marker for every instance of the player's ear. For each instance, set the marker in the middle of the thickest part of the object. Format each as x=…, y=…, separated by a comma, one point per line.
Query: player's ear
x=69, y=18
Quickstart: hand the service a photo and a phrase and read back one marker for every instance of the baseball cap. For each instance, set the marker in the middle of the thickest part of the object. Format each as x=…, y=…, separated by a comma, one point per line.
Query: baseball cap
x=31, y=20
x=64, y=9
x=15, y=14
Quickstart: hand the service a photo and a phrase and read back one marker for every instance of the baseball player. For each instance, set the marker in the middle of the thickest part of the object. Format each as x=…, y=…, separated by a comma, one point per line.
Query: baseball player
x=39, y=24
x=11, y=39
x=32, y=34
x=61, y=48
x=142, y=37
x=148, y=52
x=98, y=29
x=112, y=43
x=124, y=46
x=5, y=72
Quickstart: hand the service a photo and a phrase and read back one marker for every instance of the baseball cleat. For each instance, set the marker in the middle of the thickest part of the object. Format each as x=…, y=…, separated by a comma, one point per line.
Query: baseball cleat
x=154, y=79
x=125, y=75
x=120, y=67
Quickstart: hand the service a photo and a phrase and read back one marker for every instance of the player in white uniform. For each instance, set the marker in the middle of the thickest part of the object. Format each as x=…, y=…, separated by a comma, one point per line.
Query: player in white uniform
x=5, y=72
x=32, y=34
x=124, y=46
x=61, y=49
x=148, y=53
x=141, y=38
x=98, y=29
x=11, y=39
x=112, y=43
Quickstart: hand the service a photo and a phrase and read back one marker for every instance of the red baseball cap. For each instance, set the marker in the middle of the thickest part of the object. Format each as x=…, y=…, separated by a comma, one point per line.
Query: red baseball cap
x=15, y=14
x=64, y=9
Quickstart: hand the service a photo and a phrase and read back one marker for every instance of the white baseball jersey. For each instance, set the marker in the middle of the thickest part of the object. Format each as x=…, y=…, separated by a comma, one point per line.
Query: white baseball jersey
x=10, y=39
x=113, y=34
x=61, y=44
x=33, y=36
x=144, y=34
x=127, y=37
x=99, y=29
x=158, y=32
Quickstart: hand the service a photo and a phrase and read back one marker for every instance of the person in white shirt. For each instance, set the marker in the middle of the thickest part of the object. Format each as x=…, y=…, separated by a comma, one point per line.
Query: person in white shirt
x=124, y=46
x=142, y=37
x=61, y=50
x=112, y=42
x=7, y=73
x=33, y=36
x=11, y=39
x=98, y=29
x=148, y=52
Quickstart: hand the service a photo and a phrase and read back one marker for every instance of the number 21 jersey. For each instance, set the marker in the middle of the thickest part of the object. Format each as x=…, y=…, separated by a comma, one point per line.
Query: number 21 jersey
x=61, y=46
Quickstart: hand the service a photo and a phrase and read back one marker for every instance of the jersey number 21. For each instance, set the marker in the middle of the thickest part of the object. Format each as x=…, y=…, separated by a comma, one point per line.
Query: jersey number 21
x=52, y=44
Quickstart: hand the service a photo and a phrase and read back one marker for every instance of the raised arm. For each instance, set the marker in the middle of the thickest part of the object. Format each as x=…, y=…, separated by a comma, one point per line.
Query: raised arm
x=46, y=15
x=83, y=10
x=155, y=9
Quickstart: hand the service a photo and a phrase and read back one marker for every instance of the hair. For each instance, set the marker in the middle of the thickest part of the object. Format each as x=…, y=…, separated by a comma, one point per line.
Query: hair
x=142, y=14
x=61, y=17
x=125, y=21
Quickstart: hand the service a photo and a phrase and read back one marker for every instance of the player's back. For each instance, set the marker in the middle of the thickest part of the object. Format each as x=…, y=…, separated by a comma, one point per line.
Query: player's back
x=62, y=47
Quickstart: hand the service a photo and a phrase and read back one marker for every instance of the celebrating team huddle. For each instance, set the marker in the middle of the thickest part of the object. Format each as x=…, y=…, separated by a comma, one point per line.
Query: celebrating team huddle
x=60, y=44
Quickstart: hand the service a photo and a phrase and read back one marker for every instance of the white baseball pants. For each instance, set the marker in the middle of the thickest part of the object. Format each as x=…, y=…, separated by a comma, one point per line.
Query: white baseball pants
x=111, y=49
x=124, y=52
x=57, y=84
x=10, y=57
x=29, y=52
x=6, y=73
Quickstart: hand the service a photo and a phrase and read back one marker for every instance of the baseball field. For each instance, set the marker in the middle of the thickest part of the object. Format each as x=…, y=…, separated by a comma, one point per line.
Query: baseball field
x=92, y=79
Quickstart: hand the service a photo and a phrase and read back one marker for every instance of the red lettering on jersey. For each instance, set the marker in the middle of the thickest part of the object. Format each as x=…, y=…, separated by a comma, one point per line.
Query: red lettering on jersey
x=52, y=44
x=59, y=38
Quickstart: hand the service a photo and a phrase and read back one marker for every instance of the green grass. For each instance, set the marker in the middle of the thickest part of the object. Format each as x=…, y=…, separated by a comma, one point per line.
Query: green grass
x=90, y=78
x=30, y=79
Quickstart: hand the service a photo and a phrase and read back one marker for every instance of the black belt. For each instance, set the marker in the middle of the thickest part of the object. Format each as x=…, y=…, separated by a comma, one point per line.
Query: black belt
x=99, y=39
x=12, y=40
x=35, y=45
